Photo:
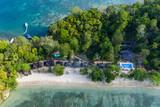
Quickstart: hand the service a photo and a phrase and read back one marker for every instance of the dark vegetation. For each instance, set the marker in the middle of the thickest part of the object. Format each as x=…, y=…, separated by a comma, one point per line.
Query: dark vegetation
x=97, y=74
x=15, y=58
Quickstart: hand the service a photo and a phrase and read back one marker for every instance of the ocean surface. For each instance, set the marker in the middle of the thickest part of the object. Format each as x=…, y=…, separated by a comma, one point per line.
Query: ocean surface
x=53, y=96
x=40, y=13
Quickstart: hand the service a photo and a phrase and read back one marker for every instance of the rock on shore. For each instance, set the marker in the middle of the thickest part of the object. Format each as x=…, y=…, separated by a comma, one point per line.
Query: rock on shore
x=4, y=95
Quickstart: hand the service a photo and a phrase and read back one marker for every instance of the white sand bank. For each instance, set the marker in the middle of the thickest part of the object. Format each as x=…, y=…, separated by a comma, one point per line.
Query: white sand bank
x=72, y=76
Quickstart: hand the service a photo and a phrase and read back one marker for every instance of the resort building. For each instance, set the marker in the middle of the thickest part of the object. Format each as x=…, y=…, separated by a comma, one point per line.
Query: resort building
x=101, y=64
x=126, y=67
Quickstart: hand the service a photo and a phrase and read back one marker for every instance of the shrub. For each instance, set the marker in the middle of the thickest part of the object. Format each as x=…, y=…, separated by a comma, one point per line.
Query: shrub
x=138, y=74
x=84, y=71
x=123, y=75
x=26, y=67
x=11, y=83
x=155, y=78
x=109, y=75
x=114, y=68
x=23, y=67
x=3, y=75
x=2, y=87
x=96, y=74
x=58, y=70
x=111, y=72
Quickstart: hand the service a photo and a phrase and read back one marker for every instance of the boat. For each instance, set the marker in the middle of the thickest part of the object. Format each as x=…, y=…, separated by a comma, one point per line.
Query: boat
x=26, y=28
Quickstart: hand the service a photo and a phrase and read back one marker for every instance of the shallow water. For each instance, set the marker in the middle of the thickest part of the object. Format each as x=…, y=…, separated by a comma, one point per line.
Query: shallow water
x=40, y=13
x=56, y=96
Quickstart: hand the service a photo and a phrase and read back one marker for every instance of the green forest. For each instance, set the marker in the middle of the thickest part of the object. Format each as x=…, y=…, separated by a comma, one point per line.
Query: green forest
x=97, y=34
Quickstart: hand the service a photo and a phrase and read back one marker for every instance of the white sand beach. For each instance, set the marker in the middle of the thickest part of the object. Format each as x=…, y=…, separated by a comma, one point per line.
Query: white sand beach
x=72, y=76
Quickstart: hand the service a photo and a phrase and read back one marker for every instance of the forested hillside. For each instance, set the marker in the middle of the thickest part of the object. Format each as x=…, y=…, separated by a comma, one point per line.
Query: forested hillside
x=99, y=34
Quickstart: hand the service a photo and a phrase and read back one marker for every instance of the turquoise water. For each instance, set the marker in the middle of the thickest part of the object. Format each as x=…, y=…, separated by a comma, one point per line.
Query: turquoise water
x=40, y=13
x=53, y=96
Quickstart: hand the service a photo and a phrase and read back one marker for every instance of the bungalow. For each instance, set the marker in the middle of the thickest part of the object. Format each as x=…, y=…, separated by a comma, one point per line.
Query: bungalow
x=48, y=63
x=126, y=66
x=102, y=64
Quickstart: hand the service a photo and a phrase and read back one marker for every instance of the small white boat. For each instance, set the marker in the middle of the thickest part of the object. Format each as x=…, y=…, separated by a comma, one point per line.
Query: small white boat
x=26, y=27
x=12, y=40
x=26, y=24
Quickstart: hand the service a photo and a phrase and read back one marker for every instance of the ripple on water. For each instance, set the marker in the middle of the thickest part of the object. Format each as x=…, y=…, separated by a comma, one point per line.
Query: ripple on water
x=53, y=96
x=40, y=13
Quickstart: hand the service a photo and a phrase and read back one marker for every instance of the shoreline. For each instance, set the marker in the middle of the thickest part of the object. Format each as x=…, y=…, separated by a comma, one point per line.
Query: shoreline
x=76, y=80
x=91, y=85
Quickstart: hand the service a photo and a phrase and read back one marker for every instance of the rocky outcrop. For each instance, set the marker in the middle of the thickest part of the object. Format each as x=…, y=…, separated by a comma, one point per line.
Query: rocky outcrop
x=4, y=95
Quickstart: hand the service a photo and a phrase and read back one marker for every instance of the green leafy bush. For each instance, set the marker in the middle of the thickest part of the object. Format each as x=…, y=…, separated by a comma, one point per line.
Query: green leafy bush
x=109, y=75
x=138, y=74
x=11, y=83
x=96, y=74
x=123, y=75
x=58, y=70
x=111, y=72
x=84, y=71
x=114, y=68
x=23, y=67
x=155, y=78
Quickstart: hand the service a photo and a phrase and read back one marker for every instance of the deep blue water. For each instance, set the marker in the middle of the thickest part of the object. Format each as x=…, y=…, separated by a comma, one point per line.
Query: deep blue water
x=56, y=96
x=40, y=13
